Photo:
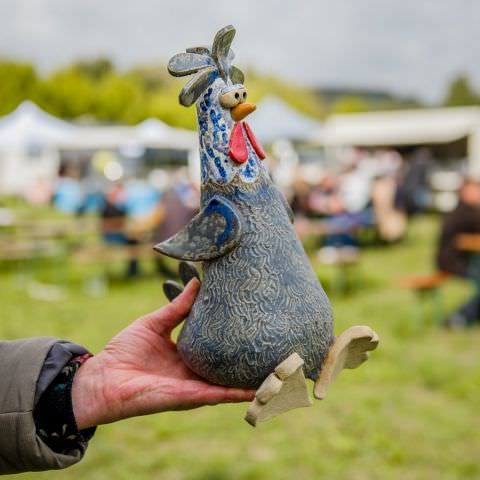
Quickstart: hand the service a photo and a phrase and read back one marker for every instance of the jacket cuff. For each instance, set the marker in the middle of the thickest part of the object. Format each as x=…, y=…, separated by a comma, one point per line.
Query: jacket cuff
x=54, y=416
x=58, y=356
x=21, y=449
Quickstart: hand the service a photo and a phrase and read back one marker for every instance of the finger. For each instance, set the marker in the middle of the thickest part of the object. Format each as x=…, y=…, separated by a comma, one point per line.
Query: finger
x=214, y=395
x=187, y=395
x=165, y=319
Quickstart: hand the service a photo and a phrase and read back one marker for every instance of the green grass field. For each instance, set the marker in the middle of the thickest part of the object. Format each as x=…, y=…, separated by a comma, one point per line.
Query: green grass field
x=411, y=412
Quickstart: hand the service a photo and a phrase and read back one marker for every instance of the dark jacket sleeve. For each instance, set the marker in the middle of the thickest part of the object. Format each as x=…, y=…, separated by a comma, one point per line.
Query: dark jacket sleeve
x=26, y=367
x=464, y=219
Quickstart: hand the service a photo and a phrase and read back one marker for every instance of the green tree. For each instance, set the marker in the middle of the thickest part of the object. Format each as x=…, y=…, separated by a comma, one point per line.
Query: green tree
x=67, y=94
x=120, y=99
x=94, y=69
x=152, y=77
x=164, y=105
x=94, y=88
x=18, y=82
x=350, y=104
x=461, y=92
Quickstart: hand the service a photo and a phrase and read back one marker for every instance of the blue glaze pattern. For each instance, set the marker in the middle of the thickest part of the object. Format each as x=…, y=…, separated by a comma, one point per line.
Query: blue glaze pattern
x=215, y=124
x=261, y=301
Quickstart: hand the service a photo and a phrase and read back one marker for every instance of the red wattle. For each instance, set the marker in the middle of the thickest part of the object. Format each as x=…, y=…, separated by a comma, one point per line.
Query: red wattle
x=254, y=142
x=238, y=150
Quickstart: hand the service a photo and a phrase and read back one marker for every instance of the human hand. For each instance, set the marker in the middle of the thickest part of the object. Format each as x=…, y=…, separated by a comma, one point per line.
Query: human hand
x=140, y=372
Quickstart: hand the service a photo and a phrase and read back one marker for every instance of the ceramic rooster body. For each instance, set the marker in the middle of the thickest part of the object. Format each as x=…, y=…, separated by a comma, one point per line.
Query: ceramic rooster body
x=260, y=301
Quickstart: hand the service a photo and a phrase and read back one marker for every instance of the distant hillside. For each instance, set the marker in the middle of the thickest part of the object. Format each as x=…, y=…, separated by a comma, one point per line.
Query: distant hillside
x=350, y=100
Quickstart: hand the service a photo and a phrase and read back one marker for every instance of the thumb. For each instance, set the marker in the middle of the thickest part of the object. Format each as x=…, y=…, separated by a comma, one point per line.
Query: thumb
x=165, y=319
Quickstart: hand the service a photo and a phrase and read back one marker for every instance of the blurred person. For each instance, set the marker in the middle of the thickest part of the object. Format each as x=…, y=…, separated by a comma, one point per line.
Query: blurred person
x=179, y=204
x=113, y=223
x=388, y=162
x=464, y=219
x=355, y=183
x=54, y=393
x=351, y=205
x=143, y=208
x=391, y=221
x=141, y=199
x=414, y=189
x=301, y=189
x=68, y=195
x=40, y=192
x=93, y=195
x=323, y=198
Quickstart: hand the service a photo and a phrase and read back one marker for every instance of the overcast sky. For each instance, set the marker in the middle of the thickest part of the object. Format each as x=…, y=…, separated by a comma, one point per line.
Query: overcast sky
x=411, y=47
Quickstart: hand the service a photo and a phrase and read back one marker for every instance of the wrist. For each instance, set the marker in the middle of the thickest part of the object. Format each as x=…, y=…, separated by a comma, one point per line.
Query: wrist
x=87, y=396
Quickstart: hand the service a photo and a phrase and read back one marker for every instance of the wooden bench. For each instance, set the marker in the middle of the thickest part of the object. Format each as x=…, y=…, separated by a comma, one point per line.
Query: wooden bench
x=427, y=289
x=105, y=253
x=468, y=242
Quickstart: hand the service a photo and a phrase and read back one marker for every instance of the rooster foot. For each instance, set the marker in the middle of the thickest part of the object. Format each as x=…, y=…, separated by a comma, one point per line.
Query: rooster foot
x=283, y=390
x=350, y=350
x=187, y=271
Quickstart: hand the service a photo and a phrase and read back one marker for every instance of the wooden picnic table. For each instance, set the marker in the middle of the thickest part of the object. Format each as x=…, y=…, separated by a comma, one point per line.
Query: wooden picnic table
x=421, y=283
x=57, y=228
x=427, y=286
x=29, y=237
x=104, y=253
x=469, y=242
x=29, y=250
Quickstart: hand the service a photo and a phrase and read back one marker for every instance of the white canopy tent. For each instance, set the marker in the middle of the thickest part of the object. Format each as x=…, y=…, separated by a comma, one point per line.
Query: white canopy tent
x=29, y=141
x=30, y=125
x=155, y=133
x=406, y=127
x=276, y=120
x=149, y=133
x=100, y=137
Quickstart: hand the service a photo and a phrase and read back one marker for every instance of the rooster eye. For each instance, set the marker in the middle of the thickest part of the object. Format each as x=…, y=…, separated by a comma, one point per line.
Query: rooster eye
x=229, y=99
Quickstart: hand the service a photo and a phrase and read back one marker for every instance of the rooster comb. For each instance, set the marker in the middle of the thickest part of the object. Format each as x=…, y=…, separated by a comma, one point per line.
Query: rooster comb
x=206, y=64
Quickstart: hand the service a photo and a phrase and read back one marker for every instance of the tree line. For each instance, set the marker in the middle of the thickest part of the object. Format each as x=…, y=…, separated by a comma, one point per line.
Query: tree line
x=94, y=90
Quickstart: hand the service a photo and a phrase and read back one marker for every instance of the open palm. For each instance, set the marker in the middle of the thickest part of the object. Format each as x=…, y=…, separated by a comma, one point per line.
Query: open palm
x=140, y=372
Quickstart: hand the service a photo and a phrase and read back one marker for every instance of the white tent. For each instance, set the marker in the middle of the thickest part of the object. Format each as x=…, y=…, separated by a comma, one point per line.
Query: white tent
x=29, y=126
x=149, y=133
x=153, y=129
x=276, y=120
x=100, y=137
x=406, y=127
x=154, y=133
x=29, y=140
x=401, y=127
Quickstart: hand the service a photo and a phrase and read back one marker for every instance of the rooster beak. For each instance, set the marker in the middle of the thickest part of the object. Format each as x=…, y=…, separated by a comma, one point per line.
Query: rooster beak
x=240, y=111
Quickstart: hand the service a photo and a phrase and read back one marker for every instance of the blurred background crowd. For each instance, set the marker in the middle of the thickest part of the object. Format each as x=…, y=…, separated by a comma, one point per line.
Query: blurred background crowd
x=371, y=123
x=351, y=179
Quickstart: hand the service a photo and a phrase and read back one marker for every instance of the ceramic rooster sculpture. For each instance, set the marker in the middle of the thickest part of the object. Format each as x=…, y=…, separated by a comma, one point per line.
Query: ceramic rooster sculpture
x=261, y=319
